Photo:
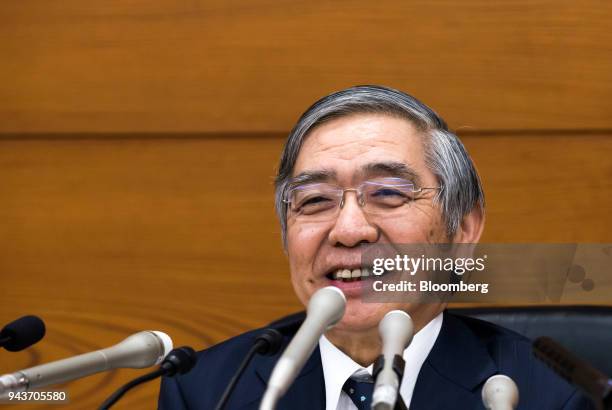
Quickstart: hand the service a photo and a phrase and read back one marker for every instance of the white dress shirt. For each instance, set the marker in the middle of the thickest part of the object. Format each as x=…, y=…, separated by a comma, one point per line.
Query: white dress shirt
x=338, y=367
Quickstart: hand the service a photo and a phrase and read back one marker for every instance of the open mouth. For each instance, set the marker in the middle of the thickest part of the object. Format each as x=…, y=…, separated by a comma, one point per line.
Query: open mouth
x=349, y=275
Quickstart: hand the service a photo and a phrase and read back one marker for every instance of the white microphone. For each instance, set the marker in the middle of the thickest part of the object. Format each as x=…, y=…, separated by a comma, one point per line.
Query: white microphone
x=500, y=393
x=396, y=331
x=325, y=309
x=140, y=350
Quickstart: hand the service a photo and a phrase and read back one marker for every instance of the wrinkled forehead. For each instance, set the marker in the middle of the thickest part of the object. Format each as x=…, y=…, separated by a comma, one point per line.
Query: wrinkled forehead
x=364, y=172
x=362, y=146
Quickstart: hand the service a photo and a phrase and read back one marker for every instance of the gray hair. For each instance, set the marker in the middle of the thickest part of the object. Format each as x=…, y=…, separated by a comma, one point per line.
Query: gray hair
x=445, y=155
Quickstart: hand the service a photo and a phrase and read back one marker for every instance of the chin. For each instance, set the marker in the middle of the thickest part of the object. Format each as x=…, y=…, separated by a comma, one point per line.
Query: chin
x=360, y=316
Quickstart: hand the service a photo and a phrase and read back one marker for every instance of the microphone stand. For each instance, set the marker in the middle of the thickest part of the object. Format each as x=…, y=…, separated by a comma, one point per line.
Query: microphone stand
x=398, y=368
x=232, y=384
x=267, y=344
x=178, y=361
x=108, y=403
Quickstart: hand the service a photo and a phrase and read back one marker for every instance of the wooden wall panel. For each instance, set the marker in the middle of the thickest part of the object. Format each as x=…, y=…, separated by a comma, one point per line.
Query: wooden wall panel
x=209, y=66
x=138, y=142
x=105, y=237
x=551, y=188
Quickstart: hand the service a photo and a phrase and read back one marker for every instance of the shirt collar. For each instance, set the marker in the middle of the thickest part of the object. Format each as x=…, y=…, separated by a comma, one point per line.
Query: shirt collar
x=338, y=367
x=415, y=355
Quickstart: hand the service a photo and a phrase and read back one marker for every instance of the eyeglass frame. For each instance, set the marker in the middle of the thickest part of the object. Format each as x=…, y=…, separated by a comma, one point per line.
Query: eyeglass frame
x=358, y=191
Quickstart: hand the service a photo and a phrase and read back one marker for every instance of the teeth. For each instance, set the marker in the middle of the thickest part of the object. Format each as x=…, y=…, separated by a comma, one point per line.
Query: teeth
x=350, y=274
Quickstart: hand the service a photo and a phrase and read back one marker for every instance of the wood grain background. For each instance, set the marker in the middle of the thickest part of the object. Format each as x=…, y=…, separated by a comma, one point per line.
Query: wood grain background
x=139, y=140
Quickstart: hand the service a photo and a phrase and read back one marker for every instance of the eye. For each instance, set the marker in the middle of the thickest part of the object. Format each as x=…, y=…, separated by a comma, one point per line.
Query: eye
x=313, y=200
x=312, y=204
x=388, y=196
x=384, y=192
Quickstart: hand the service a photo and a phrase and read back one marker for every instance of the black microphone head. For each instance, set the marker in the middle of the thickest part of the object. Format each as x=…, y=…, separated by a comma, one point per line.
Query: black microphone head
x=269, y=341
x=22, y=333
x=180, y=360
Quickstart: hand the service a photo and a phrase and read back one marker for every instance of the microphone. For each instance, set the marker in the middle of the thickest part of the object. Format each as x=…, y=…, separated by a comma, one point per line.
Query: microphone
x=139, y=350
x=268, y=343
x=500, y=393
x=325, y=309
x=575, y=370
x=396, y=331
x=22, y=333
x=178, y=361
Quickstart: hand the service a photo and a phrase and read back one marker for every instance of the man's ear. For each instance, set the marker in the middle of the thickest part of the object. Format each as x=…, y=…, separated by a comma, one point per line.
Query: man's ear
x=471, y=226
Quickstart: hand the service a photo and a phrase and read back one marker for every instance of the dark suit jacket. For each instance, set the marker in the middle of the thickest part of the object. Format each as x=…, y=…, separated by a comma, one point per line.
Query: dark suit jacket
x=466, y=353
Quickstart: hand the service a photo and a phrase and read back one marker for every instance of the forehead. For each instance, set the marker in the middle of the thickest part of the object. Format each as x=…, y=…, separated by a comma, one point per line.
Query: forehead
x=348, y=144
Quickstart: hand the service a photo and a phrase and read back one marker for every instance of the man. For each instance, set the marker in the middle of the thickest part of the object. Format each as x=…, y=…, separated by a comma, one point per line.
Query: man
x=372, y=165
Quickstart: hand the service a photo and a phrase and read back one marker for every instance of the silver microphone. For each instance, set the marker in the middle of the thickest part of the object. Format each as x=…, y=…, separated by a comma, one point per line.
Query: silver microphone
x=500, y=393
x=396, y=331
x=139, y=350
x=325, y=309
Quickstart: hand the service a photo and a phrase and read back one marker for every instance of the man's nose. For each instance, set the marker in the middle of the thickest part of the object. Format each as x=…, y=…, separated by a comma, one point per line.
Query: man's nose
x=352, y=226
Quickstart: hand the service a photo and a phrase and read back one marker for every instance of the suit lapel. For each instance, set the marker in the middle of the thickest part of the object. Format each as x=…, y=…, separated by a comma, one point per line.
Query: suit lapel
x=306, y=393
x=458, y=364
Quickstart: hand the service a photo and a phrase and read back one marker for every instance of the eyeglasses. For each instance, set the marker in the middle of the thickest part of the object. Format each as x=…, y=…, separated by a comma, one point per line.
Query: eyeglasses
x=381, y=196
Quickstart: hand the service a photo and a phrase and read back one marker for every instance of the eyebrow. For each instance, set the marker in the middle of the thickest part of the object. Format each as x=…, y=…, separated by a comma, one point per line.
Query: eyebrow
x=390, y=168
x=393, y=169
x=308, y=177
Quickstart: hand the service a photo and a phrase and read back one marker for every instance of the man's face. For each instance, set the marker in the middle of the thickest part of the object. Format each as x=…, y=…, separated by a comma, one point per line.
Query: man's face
x=350, y=150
